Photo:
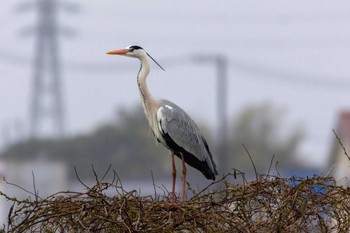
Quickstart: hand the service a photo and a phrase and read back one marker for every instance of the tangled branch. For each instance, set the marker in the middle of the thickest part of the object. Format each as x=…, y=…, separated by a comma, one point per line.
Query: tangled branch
x=268, y=204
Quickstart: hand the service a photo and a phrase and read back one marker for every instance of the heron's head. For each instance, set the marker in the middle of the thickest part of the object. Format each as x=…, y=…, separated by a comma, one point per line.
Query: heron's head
x=130, y=51
x=133, y=51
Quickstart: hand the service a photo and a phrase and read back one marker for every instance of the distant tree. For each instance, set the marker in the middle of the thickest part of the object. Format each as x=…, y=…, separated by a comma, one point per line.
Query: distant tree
x=262, y=129
x=138, y=146
x=125, y=144
x=128, y=145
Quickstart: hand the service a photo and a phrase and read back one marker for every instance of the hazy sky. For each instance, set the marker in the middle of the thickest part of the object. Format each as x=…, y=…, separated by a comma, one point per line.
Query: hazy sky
x=293, y=54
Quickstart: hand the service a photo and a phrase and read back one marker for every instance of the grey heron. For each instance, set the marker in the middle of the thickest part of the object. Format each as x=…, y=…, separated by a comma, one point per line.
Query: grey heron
x=171, y=125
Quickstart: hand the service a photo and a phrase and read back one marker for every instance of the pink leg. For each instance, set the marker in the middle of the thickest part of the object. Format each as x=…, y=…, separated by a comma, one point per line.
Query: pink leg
x=183, y=179
x=174, y=177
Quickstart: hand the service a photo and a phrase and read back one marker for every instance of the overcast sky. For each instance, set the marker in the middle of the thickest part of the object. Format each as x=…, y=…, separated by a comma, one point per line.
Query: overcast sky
x=292, y=54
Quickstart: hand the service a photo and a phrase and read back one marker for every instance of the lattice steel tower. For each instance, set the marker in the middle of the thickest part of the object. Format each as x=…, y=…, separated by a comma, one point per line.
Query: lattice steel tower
x=46, y=98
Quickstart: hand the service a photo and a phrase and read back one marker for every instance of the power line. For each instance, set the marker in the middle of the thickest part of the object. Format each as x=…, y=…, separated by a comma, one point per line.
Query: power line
x=260, y=71
x=257, y=71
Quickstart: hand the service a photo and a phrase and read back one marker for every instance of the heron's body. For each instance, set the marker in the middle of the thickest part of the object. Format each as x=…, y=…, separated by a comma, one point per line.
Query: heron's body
x=181, y=135
x=171, y=125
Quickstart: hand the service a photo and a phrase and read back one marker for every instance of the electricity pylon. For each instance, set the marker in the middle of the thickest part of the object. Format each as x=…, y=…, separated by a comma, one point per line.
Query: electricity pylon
x=46, y=97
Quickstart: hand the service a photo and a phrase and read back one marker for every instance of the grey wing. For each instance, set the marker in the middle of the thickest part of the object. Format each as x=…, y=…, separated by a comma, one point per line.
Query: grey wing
x=182, y=135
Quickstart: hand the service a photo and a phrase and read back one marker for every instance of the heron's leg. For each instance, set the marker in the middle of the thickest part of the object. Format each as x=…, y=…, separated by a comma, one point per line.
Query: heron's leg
x=183, y=179
x=174, y=177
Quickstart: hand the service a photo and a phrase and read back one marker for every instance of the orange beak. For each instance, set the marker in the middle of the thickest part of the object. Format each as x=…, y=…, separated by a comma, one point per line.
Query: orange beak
x=118, y=52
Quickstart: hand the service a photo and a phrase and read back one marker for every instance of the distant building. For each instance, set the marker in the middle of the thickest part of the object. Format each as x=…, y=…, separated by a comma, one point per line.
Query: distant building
x=49, y=177
x=339, y=163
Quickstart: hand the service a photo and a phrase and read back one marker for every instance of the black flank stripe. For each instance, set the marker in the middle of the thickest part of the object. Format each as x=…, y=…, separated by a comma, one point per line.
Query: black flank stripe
x=190, y=159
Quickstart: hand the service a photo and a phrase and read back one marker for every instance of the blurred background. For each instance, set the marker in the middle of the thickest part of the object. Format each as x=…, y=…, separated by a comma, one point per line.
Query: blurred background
x=272, y=75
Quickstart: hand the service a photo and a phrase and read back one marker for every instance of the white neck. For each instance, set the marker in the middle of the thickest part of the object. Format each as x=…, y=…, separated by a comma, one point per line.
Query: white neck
x=146, y=96
x=150, y=104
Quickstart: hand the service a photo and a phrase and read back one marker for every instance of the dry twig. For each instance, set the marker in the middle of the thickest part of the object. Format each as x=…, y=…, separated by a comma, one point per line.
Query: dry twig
x=269, y=204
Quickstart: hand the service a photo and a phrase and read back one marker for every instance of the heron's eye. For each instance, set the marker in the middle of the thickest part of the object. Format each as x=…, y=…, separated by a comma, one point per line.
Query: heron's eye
x=134, y=47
